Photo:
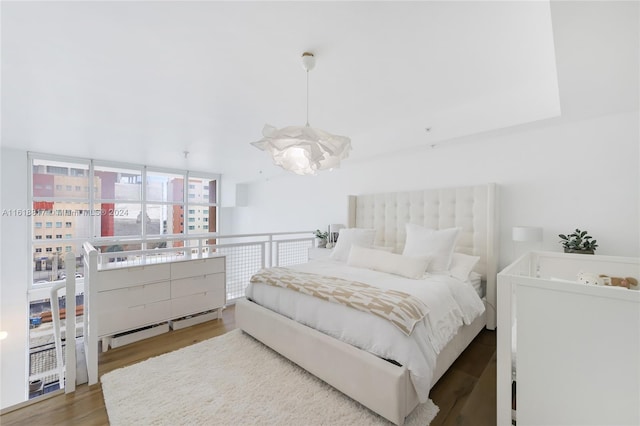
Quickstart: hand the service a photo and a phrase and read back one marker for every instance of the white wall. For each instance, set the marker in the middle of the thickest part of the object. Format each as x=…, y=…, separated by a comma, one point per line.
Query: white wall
x=556, y=175
x=14, y=267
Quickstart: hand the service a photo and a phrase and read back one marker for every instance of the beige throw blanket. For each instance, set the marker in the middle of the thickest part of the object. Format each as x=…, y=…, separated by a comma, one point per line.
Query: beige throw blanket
x=401, y=309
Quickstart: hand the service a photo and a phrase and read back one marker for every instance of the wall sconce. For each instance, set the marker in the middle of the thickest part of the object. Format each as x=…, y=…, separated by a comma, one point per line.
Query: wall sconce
x=3, y=335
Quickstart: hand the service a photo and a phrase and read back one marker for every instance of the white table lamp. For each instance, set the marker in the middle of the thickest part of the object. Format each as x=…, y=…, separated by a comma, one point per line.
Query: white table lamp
x=525, y=237
x=526, y=234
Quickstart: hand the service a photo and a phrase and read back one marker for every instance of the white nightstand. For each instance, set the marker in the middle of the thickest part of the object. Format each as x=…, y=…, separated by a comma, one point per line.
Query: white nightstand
x=316, y=253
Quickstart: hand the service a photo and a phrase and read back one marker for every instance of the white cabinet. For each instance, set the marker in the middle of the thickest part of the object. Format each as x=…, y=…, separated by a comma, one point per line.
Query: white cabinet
x=578, y=346
x=134, y=297
x=317, y=253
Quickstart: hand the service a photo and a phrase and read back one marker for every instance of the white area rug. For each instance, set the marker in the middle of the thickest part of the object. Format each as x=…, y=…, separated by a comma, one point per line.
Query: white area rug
x=232, y=380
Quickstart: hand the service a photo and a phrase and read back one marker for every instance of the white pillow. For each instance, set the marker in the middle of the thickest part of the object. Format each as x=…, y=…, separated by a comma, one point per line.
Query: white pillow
x=383, y=261
x=462, y=265
x=436, y=244
x=383, y=248
x=362, y=237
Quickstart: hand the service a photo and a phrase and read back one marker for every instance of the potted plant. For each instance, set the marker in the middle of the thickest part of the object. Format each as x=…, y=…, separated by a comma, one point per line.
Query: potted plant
x=321, y=238
x=578, y=242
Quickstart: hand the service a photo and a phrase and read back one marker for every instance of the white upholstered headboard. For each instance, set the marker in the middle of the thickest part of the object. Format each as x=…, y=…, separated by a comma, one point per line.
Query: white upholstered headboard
x=473, y=208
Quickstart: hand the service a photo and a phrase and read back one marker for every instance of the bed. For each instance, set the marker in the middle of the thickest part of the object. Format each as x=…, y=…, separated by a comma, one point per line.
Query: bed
x=386, y=387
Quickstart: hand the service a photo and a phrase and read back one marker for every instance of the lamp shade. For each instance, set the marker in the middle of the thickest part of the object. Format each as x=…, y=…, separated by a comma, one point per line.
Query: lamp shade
x=303, y=150
x=526, y=233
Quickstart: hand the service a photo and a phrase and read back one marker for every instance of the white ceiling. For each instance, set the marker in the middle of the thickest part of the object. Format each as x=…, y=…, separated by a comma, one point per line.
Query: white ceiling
x=142, y=82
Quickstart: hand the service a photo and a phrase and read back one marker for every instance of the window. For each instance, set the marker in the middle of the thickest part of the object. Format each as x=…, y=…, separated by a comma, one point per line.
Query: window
x=64, y=188
x=48, y=249
x=38, y=250
x=67, y=248
x=55, y=170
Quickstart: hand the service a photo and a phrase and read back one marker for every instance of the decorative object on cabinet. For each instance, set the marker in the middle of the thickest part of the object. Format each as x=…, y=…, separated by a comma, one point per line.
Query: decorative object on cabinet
x=589, y=278
x=626, y=282
x=334, y=230
x=578, y=242
x=321, y=238
x=304, y=150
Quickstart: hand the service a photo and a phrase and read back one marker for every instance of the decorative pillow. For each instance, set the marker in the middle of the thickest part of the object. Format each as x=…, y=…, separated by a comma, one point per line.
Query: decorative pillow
x=383, y=261
x=436, y=244
x=462, y=265
x=362, y=237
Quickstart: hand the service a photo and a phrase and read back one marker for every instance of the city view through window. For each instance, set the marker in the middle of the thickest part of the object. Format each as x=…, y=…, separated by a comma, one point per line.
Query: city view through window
x=69, y=210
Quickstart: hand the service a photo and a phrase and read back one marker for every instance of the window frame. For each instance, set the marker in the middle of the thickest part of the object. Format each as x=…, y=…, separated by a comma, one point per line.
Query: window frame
x=77, y=164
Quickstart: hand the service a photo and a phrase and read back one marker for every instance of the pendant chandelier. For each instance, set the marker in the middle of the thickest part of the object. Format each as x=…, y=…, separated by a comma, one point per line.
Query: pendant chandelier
x=304, y=150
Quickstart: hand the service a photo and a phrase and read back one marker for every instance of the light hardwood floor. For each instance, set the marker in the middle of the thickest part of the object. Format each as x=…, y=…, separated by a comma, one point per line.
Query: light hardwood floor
x=465, y=396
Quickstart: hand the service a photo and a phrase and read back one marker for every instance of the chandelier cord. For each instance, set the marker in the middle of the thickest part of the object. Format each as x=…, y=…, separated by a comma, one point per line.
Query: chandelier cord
x=307, y=97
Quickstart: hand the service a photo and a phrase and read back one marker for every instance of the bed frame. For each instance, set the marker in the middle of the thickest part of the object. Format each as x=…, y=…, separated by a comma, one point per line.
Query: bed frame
x=381, y=386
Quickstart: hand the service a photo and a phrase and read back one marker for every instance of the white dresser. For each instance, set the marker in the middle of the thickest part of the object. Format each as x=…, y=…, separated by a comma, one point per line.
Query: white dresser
x=139, y=296
x=577, y=350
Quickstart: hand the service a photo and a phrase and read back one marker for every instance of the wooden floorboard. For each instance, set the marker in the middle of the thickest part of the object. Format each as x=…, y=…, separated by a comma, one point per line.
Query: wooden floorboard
x=465, y=394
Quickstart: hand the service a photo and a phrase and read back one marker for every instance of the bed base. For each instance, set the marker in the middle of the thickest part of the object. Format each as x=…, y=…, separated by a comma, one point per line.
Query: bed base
x=377, y=384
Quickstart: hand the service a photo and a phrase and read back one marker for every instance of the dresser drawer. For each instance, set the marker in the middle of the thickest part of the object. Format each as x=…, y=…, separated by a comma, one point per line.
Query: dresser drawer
x=195, y=303
x=196, y=285
x=116, y=300
x=126, y=277
x=134, y=317
x=197, y=267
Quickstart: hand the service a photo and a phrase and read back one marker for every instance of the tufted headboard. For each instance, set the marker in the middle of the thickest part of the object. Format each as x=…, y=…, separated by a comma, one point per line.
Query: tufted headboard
x=473, y=208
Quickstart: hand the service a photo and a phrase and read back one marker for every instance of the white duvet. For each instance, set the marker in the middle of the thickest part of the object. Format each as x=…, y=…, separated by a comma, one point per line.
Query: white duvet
x=451, y=303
